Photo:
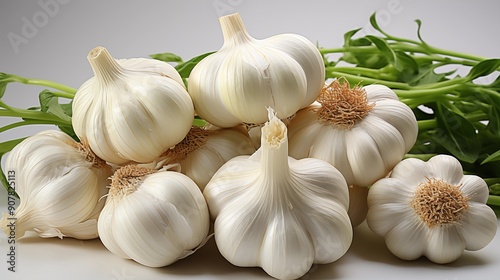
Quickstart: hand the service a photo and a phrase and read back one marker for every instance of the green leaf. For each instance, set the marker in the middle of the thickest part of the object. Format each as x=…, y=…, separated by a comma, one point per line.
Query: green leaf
x=348, y=36
x=425, y=74
x=367, y=59
x=185, y=68
x=383, y=48
x=167, y=57
x=493, y=157
x=3, y=87
x=374, y=23
x=50, y=103
x=419, y=27
x=493, y=111
x=7, y=146
x=400, y=60
x=483, y=68
x=457, y=135
x=405, y=63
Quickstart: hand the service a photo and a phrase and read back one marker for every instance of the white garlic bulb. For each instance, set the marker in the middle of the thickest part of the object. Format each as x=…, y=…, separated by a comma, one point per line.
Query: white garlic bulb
x=362, y=131
x=236, y=84
x=132, y=109
x=279, y=213
x=59, y=182
x=203, y=151
x=153, y=217
x=431, y=209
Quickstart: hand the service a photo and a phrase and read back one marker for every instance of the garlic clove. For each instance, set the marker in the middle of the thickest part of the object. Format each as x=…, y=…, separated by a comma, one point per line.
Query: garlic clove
x=153, y=66
x=410, y=245
x=307, y=55
x=444, y=244
x=290, y=257
x=383, y=217
x=199, y=81
x=365, y=160
x=478, y=226
x=388, y=139
x=446, y=168
x=474, y=188
x=412, y=169
x=401, y=117
x=380, y=93
x=264, y=84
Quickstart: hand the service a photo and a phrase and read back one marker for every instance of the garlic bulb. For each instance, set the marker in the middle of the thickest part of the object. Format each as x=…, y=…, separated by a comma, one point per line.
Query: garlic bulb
x=279, y=213
x=363, y=132
x=59, y=183
x=132, y=109
x=203, y=151
x=236, y=84
x=153, y=217
x=431, y=209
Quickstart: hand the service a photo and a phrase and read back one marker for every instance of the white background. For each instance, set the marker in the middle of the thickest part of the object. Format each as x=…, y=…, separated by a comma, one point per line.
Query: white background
x=56, y=49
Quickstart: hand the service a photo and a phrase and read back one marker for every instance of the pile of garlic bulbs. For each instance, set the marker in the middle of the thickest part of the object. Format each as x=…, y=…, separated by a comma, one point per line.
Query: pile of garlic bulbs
x=284, y=170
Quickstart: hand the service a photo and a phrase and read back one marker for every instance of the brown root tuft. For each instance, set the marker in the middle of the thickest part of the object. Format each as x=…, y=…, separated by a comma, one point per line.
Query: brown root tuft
x=437, y=202
x=341, y=105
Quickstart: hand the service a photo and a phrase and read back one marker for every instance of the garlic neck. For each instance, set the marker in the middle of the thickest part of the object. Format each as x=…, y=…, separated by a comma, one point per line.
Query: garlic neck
x=274, y=153
x=233, y=30
x=105, y=67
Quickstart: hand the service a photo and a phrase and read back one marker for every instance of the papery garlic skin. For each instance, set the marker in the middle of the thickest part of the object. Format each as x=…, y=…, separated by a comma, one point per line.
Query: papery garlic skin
x=279, y=213
x=132, y=109
x=204, y=151
x=59, y=187
x=451, y=229
x=369, y=147
x=157, y=219
x=236, y=84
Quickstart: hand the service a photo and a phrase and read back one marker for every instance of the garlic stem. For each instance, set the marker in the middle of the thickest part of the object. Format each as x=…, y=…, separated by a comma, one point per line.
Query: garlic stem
x=233, y=30
x=105, y=67
x=274, y=158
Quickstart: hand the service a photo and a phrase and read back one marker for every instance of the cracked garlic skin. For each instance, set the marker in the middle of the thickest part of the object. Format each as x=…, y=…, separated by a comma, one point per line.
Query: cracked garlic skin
x=59, y=183
x=132, y=110
x=153, y=217
x=431, y=209
x=279, y=213
x=363, y=132
x=236, y=84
